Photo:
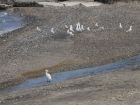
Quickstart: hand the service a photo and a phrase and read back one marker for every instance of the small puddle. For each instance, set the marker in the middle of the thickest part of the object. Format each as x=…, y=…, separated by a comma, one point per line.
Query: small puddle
x=9, y=22
x=62, y=76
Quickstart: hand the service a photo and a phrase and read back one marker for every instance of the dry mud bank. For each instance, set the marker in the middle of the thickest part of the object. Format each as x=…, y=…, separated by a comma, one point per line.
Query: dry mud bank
x=31, y=50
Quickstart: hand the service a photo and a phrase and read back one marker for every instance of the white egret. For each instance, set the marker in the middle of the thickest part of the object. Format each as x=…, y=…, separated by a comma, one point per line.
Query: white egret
x=71, y=28
x=52, y=30
x=82, y=27
x=88, y=28
x=130, y=29
x=66, y=26
x=38, y=29
x=48, y=75
x=78, y=27
x=96, y=24
x=120, y=25
x=70, y=33
x=101, y=28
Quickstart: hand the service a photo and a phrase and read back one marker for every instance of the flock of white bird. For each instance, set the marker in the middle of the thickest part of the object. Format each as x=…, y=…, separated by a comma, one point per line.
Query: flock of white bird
x=71, y=30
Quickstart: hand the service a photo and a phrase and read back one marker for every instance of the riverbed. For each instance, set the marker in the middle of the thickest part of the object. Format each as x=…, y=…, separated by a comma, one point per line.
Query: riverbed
x=63, y=76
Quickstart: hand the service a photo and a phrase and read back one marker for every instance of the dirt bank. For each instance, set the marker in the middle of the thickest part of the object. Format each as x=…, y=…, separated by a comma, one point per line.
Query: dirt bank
x=32, y=50
x=117, y=88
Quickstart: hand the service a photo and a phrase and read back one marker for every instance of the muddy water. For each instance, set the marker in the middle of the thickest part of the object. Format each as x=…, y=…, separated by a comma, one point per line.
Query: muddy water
x=62, y=76
x=9, y=22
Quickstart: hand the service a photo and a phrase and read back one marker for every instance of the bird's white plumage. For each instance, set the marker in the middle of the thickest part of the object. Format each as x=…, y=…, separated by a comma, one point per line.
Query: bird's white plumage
x=38, y=29
x=70, y=33
x=71, y=28
x=101, y=28
x=48, y=75
x=96, y=24
x=88, y=28
x=78, y=27
x=82, y=27
x=66, y=26
x=130, y=29
x=52, y=30
x=120, y=25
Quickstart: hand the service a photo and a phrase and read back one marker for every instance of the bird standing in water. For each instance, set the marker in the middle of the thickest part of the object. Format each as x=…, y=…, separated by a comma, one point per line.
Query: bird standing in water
x=48, y=75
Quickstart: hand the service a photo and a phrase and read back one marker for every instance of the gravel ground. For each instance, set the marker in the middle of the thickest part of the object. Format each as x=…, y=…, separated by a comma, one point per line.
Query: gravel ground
x=29, y=49
x=116, y=88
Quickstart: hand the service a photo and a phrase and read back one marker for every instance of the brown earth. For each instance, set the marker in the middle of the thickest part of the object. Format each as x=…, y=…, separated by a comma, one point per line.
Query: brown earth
x=116, y=88
x=29, y=50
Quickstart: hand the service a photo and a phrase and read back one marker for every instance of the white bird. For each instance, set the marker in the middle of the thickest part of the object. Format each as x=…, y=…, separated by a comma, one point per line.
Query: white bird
x=66, y=26
x=102, y=28
x=130, y=29
x=82, y=27
x=78, y=27
x=52, y=30
x=120, y=25
x=38, y=29
x=88, y=28
x=70, y=33
x=48, y=75
x=71, y=28
x=96, y=24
